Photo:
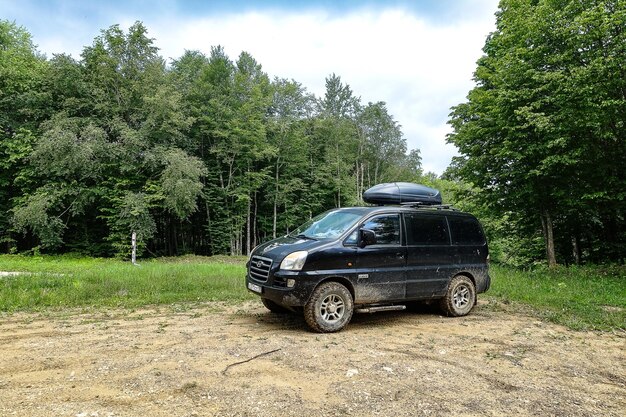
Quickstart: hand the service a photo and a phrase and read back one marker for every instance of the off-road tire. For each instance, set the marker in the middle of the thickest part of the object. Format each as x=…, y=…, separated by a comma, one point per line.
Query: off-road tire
x=460, y=297
x=330, y=308
x=274, y=307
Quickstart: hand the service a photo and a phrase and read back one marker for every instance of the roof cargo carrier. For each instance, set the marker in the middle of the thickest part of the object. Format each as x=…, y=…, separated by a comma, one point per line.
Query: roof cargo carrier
x=402, y=193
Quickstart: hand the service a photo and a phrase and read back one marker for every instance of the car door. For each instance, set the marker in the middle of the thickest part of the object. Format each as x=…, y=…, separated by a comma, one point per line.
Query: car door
x=381, y=266
x=430, y=257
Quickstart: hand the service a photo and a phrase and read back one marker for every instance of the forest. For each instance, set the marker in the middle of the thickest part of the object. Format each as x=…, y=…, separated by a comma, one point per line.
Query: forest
x=209, y=155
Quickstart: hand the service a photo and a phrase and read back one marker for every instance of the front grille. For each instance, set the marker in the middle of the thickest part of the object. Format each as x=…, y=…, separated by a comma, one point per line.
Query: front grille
x=259, y=268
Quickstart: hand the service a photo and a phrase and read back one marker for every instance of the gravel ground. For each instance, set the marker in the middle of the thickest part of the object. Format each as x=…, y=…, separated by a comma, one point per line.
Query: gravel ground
x=216, y=359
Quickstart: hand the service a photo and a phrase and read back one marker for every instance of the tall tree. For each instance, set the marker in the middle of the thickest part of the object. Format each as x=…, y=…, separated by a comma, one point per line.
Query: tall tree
x=540, y=133
x=291, y=105
x=22, y=108
x=385, y=145
x=336, y=133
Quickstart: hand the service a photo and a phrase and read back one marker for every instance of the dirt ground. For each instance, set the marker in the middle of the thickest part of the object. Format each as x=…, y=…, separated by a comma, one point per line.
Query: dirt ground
x=191, y=361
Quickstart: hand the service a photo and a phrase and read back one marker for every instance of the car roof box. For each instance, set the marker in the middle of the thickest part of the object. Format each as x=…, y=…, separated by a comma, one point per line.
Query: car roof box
x=401, y=193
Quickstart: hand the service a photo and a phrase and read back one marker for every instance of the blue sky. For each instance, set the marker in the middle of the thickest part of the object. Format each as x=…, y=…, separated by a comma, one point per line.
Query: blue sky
x=418, y=56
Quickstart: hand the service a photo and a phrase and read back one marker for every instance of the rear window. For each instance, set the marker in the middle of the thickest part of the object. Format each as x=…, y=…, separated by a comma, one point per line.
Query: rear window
x=466, y=231
x=426, y=230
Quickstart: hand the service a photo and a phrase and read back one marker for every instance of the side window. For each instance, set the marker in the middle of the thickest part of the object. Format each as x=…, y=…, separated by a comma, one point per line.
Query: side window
x=351, y=240
x=466, y=231
x=386, y=228
x=426, y=230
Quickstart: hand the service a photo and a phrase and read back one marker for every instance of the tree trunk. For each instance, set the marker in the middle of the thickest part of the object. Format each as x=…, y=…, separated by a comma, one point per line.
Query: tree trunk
x=248, y=226
x=254, y=222
x=357, y=181
x=208, y=228
x=233, y=241
x=173, y=240
x=362, y=184
x=548, y=235
x=338, y=179
x=275, y=201
x=576, y=248
x=376, y=167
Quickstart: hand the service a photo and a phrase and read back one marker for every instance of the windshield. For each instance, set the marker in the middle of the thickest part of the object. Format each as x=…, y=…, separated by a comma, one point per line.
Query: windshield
x=329, y=225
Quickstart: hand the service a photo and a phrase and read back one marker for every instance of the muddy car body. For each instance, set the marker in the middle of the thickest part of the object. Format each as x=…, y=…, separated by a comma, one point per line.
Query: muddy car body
x=373, y=258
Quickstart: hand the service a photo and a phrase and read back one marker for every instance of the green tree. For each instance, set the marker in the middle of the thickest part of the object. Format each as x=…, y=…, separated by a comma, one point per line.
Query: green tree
x=291, y=105
x=336, y=134
x=540, y=134
x=206, y=156
x=22, y=74
x=384, y=144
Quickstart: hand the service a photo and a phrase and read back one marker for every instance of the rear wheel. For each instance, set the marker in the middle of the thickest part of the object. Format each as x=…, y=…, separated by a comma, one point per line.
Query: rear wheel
x=330, y=308
x=460, y=297
x=274, y=307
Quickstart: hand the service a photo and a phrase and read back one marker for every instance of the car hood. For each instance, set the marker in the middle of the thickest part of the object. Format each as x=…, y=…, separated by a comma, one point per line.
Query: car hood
x=278, y=248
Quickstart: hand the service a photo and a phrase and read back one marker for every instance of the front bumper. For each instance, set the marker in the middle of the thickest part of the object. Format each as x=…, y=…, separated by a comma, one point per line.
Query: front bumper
x=275, y=288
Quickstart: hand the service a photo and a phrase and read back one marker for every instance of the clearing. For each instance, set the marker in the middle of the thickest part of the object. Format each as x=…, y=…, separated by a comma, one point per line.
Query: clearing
x=201, y=360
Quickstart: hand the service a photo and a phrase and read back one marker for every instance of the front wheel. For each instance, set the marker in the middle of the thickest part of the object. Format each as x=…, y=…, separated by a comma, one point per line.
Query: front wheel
x=460, y=297
x=330, y=308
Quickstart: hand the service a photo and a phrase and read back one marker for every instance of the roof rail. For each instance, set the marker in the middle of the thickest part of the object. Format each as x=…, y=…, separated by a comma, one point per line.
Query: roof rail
x=420, y=205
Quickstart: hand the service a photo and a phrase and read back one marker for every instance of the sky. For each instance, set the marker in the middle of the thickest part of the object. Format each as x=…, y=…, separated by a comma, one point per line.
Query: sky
x=417, y=56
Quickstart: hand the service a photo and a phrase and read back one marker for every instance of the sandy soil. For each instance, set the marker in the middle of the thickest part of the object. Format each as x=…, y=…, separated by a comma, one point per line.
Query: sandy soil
x=189, y=361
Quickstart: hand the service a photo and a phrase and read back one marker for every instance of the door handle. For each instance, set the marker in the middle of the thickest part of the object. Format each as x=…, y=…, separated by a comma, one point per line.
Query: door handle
x=400, y=255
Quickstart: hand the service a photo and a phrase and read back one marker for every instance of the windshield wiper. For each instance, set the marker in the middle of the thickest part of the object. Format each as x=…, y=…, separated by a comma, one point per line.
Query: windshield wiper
x=303, y=236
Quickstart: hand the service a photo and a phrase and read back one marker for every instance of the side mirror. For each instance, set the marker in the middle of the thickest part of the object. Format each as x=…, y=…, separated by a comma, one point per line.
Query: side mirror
x=366, y=237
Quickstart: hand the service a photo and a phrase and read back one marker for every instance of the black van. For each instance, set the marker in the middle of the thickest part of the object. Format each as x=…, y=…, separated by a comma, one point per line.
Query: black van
x=368, y=259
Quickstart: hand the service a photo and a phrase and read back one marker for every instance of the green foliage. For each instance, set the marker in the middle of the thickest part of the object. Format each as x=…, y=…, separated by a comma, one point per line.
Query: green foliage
x=21, y=74
x=180, y=182
x=22, y=107
x=542, y=134
x=69, y=151
x=132, y=214
x=210, y=156
x=385, y=146
x=581, y=298
x=207, y=156
x=35, y=215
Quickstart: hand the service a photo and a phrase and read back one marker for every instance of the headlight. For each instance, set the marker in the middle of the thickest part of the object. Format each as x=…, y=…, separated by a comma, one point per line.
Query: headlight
x=294, y=261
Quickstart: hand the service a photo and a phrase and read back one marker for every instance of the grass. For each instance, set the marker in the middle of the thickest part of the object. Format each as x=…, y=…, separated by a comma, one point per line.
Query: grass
x=581, y=298
x=67, y=281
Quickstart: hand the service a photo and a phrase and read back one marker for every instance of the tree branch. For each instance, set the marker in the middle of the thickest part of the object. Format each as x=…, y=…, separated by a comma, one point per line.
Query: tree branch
x=248, y=360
